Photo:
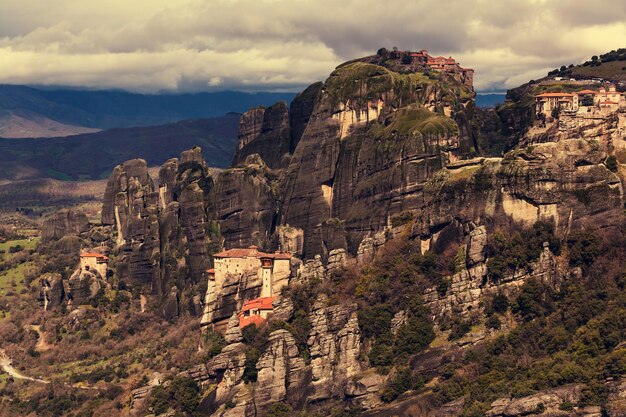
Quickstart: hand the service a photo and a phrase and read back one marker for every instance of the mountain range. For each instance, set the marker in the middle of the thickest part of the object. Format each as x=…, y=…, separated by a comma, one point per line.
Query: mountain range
x=27, y=112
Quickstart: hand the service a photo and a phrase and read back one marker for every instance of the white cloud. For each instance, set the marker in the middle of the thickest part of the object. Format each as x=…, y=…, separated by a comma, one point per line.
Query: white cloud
x=151, y=45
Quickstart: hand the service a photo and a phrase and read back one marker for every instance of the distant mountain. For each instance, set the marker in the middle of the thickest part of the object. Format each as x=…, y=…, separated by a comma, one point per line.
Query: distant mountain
x=490, y=100
x=26, y=124
x=94, y=155
x=34, y=112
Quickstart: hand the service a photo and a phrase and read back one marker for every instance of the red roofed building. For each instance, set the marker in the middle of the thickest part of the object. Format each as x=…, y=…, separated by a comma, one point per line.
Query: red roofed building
x=255, y=311
x=607, y=100
x=97, y=262
x=546, y=102
x=232, y=265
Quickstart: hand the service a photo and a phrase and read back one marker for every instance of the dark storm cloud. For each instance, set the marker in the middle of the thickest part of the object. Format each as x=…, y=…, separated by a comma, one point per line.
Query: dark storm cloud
x=151, y=45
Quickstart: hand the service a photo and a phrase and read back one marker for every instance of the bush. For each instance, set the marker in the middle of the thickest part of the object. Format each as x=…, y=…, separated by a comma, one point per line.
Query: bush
x=459, y=329
x=512, y=251
x=401, y=382
x=493, y=322
x=250, y=372
x=279, y=409
x=16, y=248
x=584, y=248
x=534, y=300
x=500, y=303
x=214, y=342
x=182, y=395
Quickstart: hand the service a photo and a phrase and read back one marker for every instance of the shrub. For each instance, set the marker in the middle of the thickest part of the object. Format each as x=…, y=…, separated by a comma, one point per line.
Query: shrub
x=533, y=301
x=401, y=382
x=584, y=248
x=250, y=372
x=279, y=409
x=512, y=251
x=459, y=329
x=500, y=303
x=214, y=342
x=182, y=395
x=493, y=322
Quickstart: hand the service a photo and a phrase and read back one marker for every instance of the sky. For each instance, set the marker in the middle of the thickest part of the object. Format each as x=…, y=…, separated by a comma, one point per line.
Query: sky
x=284, y=45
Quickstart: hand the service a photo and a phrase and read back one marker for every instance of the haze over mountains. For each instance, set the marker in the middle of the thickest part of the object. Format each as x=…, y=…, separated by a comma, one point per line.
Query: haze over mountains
x=27, y=112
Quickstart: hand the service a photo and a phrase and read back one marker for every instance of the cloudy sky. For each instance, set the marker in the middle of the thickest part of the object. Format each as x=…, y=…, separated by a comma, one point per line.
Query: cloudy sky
x=197, y=45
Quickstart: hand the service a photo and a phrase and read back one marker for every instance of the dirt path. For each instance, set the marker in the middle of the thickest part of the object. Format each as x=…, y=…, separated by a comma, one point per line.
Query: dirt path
x=41, y=345
x=7, y=366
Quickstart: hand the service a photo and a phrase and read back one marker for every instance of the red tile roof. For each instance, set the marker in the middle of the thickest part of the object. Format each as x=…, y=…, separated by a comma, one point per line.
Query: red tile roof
x=264, y=303
x=211, y=271
x=586, y=92
x=250, y=252
x=555, y=95
x=608, y=102
x=93, y=255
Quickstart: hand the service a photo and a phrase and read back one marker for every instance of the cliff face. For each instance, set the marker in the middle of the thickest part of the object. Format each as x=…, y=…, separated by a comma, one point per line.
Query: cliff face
x=274, y=132
x=373, y=139
x=565, y=182
x=165, y=235
x=64, y=223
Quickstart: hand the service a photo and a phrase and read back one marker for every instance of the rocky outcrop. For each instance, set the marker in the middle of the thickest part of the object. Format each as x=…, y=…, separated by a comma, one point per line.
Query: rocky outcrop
x=364, y=390
x=281, y=371
x=130, y=204
x=369, y=246
x=476, y=246
x=471, y=286
x=250, y=125
x=166, y=234
x=51, y=293
x=283, y=308
x=274, y=132
x=233, y=332
x=543, y=403
x=64, y=223
x=227, y=370
x=360, y=160
x=171, y=306
x=265, y=132
x=245, y=205
x=563, y=182
x=335, y=346
x=290, y=240
x=82, y=286
x=312, y=269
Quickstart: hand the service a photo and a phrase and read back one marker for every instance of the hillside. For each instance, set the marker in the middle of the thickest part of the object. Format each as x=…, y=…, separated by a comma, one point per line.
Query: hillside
x=37, y=112
x=610, y=66
x=380, y=247
x=92, y=156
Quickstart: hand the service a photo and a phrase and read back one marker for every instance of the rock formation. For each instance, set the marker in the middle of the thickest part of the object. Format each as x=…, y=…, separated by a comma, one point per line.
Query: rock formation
x=280, y=371
x=64, y=223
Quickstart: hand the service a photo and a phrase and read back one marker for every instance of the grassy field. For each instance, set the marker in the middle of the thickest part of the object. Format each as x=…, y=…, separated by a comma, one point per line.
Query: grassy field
x=13, y=279
x=25, y=243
